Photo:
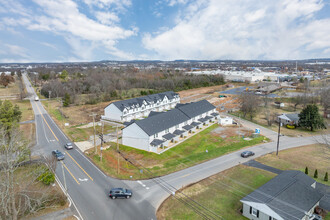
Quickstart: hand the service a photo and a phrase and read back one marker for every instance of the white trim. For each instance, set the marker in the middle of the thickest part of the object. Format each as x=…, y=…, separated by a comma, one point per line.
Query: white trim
x=263, y=208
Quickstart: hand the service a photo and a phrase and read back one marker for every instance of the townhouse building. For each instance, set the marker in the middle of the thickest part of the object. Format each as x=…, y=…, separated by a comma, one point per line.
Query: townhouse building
x=137, y=108
x=161, y=129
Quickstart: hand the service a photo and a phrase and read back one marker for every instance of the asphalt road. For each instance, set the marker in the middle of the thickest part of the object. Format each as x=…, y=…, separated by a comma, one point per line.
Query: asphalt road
x=88, y=187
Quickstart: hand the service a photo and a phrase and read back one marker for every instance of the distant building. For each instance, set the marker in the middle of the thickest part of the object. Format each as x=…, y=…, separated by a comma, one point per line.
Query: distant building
x=291, y=195
x=129, y=109
x=289, y=119
x=225, y=121
x=162, y=128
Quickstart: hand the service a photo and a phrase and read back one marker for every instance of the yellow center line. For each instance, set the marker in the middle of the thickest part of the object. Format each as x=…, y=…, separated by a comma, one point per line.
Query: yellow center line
x=79, y=165
x=46, y=122
x=70, y=173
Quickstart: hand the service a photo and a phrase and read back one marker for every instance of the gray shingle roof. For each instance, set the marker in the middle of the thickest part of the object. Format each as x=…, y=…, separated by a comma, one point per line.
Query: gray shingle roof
x=156, y=142
x=195, y=108
x=215, y=114
x=289, y=194
x=178, y=132
x=187, y=127
x=166, y=120
x=194, y=124
x=202, y=119
x=168, y=136
x=149, y=98
x=160, y=122
x=293, y=116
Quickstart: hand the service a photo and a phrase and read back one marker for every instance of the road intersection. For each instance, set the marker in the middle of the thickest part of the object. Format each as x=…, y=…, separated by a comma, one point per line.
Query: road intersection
x=88, y=187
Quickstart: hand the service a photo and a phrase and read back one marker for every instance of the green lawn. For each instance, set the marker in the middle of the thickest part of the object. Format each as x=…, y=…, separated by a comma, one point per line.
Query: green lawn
x=186, y=154
x=220, y=193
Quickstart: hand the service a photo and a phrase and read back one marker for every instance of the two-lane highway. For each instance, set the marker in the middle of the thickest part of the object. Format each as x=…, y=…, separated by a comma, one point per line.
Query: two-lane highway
x=85, y=183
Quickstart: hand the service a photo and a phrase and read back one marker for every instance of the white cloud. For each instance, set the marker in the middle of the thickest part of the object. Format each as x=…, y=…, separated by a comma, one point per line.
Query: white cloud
x=15, y=50
x=119, y=4
x=106, y=17
x=176, y=2
x=82, y=33
x=239, y=29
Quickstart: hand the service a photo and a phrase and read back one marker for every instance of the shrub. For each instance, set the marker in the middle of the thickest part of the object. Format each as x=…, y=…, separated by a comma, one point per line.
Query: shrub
x=47, y=177
x=291, y=126
x=315, y=174
x=326, y=177
x=306, y=170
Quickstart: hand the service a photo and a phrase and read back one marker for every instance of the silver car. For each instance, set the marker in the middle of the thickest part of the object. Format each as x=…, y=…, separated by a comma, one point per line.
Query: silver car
x=68, y=146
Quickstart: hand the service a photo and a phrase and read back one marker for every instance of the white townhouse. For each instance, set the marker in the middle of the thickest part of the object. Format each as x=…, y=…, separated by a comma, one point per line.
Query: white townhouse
x=161, y=128
x=136, y=108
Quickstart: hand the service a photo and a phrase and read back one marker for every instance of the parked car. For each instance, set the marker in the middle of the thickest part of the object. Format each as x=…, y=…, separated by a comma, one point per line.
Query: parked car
x=247, y=154
x=68, y=146
x=120, y=193
x=58, y=154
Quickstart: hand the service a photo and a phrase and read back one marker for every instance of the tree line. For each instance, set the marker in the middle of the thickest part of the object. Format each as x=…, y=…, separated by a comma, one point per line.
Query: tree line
x=104, y=84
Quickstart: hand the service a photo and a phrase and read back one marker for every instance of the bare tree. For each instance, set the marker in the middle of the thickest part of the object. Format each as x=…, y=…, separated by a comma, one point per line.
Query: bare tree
x=20, y=189
x=249, y=104
x=325, y=99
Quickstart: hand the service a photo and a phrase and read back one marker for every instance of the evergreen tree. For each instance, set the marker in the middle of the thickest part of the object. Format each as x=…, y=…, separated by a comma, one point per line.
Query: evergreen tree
x=10, y=115
x=310, y=118
x=315, y=174
x=306, y=170
x=326, y=177
x=66, y=100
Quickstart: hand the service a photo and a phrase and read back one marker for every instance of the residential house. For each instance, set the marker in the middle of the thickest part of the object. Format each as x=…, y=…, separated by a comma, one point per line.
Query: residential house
x=289, y=196
x=162, y=128
x=289, y=119
x=136, y=108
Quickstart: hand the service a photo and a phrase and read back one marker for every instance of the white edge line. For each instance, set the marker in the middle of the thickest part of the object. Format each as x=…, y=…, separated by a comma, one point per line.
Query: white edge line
x=91, y=163
x=68, y=195
x=76, y=217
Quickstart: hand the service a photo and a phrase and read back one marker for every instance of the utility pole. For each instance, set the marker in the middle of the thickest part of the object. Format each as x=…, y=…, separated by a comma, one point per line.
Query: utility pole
x=102, y=140
x=93, y=115
x=117, y=151
x=278, y=137
x=49, y=92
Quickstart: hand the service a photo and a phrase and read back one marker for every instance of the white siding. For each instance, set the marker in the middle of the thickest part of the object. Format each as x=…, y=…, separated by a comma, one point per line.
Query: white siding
x=113, y=113
x=134, y=136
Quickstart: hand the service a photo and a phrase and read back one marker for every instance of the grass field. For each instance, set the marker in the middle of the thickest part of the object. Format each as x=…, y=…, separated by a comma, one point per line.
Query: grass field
x=186, y=154
x=11, y=90
x=313, y=156
x=260, y=119
x=220, y=193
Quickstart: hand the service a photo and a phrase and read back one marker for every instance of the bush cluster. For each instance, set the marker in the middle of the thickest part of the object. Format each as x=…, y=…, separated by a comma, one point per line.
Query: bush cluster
x=47, y=177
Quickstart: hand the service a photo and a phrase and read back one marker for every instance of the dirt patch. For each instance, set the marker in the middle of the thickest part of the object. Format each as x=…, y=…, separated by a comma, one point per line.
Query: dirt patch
x=225, y=132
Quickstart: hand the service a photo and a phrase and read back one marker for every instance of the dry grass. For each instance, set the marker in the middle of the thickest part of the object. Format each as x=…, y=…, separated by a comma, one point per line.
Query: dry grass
x=11, y=90
x=314, y=156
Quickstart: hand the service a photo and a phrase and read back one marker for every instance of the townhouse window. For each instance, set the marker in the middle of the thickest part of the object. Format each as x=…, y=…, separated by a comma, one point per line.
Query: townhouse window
x=166, y=131
x=176, y=126
x=254, y=212
x=185, y=123
x=156, y=135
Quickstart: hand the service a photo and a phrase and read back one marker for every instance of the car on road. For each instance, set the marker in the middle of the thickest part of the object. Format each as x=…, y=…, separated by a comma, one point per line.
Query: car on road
x=36, y=98
x=120, y=193
x=68, y=146
x=247, y=154
x=58, y=154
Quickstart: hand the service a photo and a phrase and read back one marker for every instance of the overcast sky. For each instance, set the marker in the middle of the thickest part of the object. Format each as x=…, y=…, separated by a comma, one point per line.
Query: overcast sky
x=92, y=30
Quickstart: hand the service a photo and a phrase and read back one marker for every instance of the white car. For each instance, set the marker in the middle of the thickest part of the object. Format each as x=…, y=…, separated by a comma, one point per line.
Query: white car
x=36, y=98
